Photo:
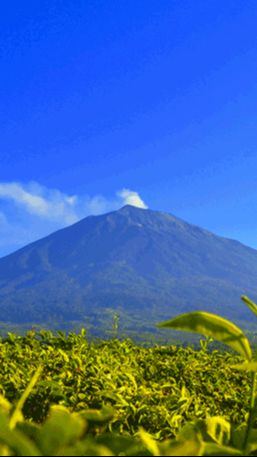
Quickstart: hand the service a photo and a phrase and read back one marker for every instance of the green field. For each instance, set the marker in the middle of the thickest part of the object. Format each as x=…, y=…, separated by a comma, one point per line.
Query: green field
x=115, y=395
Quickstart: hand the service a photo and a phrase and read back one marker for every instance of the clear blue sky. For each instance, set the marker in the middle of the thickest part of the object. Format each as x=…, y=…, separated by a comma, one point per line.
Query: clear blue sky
x=156, y=97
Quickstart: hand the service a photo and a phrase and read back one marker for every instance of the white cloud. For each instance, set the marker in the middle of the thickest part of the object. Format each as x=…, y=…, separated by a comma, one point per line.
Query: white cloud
x=39, y=201
x=131, y=197
x=15, y=192
x=29, y=211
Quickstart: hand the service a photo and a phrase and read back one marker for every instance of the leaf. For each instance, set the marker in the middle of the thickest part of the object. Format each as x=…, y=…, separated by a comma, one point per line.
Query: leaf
x=97, y=415
x=65, y=356
x=213, y=433
x=250, y=304
x=247, y=366
x=18, y=443
x=29, y=429
x=86, y=447
x=17, y=414
x=214, y=326
x=5, y=405
x=150, y=444
x=188, y=447
x=238, y=437
x=218, y=429
x=15, y=440
x=120, y=444
x=61, y=429
x=216, y=449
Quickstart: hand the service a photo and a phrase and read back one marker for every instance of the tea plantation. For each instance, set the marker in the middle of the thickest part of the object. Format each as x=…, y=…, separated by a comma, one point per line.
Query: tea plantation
x=63, y=395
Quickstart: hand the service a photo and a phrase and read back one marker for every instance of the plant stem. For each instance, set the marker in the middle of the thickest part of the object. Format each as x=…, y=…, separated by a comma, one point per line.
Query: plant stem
x=251, y=413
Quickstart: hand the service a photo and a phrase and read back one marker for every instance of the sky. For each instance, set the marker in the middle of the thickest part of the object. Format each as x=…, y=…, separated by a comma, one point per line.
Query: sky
x=104, y=103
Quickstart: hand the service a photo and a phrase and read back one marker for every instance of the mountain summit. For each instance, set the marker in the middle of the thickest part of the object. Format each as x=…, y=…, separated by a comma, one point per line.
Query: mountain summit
x=147, y=263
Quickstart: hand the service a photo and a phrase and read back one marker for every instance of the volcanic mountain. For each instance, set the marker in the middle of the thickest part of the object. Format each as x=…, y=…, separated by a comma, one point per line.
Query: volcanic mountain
x=146, y=263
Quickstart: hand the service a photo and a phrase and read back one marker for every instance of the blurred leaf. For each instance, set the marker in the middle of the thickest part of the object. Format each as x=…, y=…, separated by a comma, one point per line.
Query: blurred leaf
x=60, y=430
x=216, y=449
x=16, y=441
x=246, y=366
x=119, y=444
x=87, y=447
x=98, y=416
x=5, y=405
x=218, y=429
x=238, y=437
x=250, y=304
x=149, y=442
x=188, y=447
x=17, y=414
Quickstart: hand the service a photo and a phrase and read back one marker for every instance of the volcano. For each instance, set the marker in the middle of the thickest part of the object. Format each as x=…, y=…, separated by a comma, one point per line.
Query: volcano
x=145, y=263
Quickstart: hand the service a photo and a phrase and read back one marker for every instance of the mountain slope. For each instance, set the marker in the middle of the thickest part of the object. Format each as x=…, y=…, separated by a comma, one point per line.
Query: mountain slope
x=145, y=262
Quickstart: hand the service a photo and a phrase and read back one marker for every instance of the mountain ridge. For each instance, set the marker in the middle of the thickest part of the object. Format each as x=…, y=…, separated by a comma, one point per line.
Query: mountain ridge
x=134, y=259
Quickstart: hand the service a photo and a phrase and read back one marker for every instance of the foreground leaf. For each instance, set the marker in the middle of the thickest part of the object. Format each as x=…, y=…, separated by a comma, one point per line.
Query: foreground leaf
x=17, y=414
x=238, y=437
x=247, y=366
x=216, y=449
x=218, y=429
x=60, y=430
x=214, y=326
x=250, y=304
x=150, y=444
x=14, y=442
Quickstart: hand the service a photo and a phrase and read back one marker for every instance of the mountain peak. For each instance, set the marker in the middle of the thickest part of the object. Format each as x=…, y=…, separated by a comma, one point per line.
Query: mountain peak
x=129, y=208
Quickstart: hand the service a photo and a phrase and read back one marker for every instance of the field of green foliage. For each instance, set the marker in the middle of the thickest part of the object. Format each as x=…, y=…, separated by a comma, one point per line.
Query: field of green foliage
x=116, y=387
x=64, y=395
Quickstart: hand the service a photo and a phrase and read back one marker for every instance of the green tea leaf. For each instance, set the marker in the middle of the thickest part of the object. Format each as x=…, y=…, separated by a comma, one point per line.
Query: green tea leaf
x=214, y=326
x=15, y=441
x=238, y=437
x=87, y=447
x=17, y=414
x=61, y=429
x=247, y=366
x=5, y=405
x=97, y=415
x=218, y=429
x=250, y=304
x=117, y=444
x=188, y=447
x=150, y=444
x=216, y=449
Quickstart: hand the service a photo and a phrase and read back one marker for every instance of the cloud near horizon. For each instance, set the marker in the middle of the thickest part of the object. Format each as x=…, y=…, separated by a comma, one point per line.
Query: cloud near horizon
x=29, y=211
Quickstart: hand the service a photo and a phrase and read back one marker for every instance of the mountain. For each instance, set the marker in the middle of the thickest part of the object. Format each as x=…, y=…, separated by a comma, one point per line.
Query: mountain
x=148, y=264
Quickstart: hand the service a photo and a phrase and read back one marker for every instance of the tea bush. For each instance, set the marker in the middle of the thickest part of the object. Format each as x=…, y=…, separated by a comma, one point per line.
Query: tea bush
x=61, y=395
x=157, y=388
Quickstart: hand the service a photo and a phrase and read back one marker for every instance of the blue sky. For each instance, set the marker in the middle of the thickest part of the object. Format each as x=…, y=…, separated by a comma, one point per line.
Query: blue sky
x=106, y=102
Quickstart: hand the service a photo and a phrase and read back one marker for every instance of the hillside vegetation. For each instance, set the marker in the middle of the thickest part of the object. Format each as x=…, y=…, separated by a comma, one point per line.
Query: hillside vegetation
x=112, y=394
